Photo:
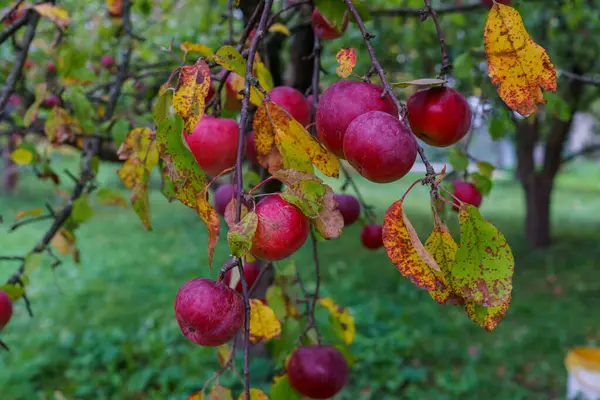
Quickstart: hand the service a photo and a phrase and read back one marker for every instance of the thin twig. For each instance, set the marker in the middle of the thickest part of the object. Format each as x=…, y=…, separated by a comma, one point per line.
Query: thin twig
x=17, y=225
x=417, y=12
x=446, y=66
x=277, y=14
x=12, y=28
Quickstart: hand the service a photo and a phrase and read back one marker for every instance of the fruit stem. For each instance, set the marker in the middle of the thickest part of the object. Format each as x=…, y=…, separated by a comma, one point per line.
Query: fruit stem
x=410, y=188
x=270, y=178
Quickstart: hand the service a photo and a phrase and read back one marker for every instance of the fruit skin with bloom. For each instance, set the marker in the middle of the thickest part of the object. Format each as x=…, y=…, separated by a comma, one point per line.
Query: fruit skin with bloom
x=6, y=309
x=325, y=29
x=372, y=236
x=292, y=101
x=341, y=103
x=439, y=116
x=348, y=206
x=208, y=313
x=318, y=372
x=467, y=193
x=282, y=229
x=213, y=143
x=380, y=147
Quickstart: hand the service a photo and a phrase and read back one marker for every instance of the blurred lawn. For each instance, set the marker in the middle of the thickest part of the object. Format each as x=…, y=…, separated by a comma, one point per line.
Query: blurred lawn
x=105, y=328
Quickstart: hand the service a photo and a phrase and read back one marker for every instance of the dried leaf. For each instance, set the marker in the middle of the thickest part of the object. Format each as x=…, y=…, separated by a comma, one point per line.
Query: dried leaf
x=224, y=352
x=487, y=317
x=196, y=396
x=264, y=324
x=442, y=247
x=255, y=394
x=230, y=211
x=343, y=317
x=275, y=129
x=56, y=14
x=204, y=50
x=406, y=250
x=346, y=59
x=64, y=242
x=21, y=156
x=421, y=83
x=484, y=262
x=60, y=127
x=211, y=219
x=34, y=212
x=191, y=92
x=241, y=234
x=330, y=221
x=520, y=67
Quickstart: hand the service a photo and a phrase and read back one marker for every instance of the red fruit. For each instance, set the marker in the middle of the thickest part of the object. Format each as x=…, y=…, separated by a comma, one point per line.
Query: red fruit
x=51, y=101
x=341, y=103
x=210, y=95
x=372, y=236
x=282, y=229
x=439, y=116
x=489, y=3
x=51, y=68
x=326, y=29
x=223, y=196
x=107, y=61
x=318, y=372
x=251, y=153
x=6, y=309
x=28, y=64
x=467, y=193
x=293, y=101
x=214, y=144
x=251, y=272
x=208, y=313
x=380, y=147
x=348, y=206
x=233, y=85
x=15, y=100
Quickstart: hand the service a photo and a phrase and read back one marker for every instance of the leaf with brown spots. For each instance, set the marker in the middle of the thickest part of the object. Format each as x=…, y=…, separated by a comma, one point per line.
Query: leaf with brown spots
x=276, y=131
x=442, y=247
x=484, y=263
x=191, y=92
x=487, y=317
x=241, y=234
x=204, y=50
x=406, y=250
x=346, y=59
x=520, y=67
x=60, y=127
x=264, y=325
x=211, y=219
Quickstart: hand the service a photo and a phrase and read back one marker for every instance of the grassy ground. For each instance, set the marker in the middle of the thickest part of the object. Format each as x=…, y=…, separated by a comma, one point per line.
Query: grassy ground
x=105, y=328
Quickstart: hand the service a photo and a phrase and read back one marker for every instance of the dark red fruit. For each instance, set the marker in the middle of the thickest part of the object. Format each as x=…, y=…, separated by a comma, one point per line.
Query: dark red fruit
x=467, y=193
x=223, y=196
x=372, y=236
x=251, y=153
x=233, y=85
x=490, y=3
x=107, y=61
x=293, y=101
x=318, y=372
x=51, y=101
x=28, y=64
x=349, y=207
x=326, y=29
x=380, y=147
x=15, y=100
x=51, y=68
x=439, y=116
x=251, y=272
x=214, y=144
x=6, y=309
x=282, y=229
x=341, y=103
x=210, y=95
x=208, y=313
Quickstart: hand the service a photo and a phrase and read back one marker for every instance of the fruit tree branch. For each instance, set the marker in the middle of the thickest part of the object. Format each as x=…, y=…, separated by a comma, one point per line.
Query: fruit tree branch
x=446, y=66
x=587, y=79
x=248, y=81
x=418, y=12
x=13, y=27
x=586, y=150
x=387, y=90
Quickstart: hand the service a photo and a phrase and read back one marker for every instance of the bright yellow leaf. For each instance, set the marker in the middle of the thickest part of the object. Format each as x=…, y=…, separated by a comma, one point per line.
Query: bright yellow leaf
x=264, y=324
x=21, y=156
x=346, y=59
x=343, y=317
x=56, y=14
x=281, y=28
x=255, y=394
x=520, y=67
x=191, y=91
x=203, y=49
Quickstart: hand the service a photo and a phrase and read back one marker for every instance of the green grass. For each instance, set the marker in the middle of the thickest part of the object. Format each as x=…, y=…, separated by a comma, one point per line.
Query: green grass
x=105, y=328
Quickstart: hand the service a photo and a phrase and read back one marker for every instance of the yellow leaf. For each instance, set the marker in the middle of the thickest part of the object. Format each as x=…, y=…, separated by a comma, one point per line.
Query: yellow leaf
x=58, y=15
x=343, y=317
x=210, y=217
x=231, y=59
x=442, y=247
x=189, y=47
x=265, y=79
x=255, y=394
x=487, y=317
x=346, y=59
x=21, y=156
x=34, y=212
x=406, y=250
x=281, y=28
x=196, y=396
x=60, y=127
x=64, y=242
x=520, y=67
x=140, y=144
x=191, y=91
x=278, y=134
x=224, y=352
x=264, y=325
x=219, y=392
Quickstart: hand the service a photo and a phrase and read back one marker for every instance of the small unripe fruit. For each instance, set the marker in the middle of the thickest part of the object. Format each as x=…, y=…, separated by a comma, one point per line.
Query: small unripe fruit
x=318, y=372
x=51, y=68
x=341, y=103
x=372, y=236
x=223, y=196
x=282, y=229
x=107, y=61
x=251, y=153
x=214, y=144
x=326, y=29
x=380, y=147
x=293, y=101
x=251, y=272
x=348, y=206
x=490, y=3
x=208, y=313
x=51, y=101
x=439, y=116
x=6, y=309
x=467, y=193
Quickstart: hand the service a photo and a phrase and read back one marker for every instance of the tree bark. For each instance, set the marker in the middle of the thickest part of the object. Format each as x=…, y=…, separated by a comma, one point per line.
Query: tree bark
x=538, y=193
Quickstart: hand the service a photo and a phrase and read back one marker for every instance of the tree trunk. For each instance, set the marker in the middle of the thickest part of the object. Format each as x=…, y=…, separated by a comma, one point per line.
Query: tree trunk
x=538, y=203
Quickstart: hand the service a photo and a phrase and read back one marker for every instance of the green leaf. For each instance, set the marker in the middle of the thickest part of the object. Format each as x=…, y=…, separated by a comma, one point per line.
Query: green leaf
x=82, y=210
x=276, y=301
x=15, y=292
x=283, y=390
x=231, y=59
x=422, y=83
x=351, y=359
x=140, y=201
x=110, y=198
x=251, y=179
x=95, y=164
x=484, y=263
x=497, y=130
x=32, y=261
x=161, y=108
x=458, y=159
x=462, y=64
x=82, y=108
x=485, y=168
x=482, y=183
x=119, y=131
x=362, y=9
x=241, y=234
x=166, y=186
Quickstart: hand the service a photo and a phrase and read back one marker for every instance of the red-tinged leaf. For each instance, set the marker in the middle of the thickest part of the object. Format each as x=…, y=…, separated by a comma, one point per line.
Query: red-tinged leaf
x=406, y=250
x=191, y=91
x=230, y=211
x=211, y=219
x=484, y=263
x=346, y=59
x=487, y=317
x=442, y=247
x=115, y=7
x=241, y=234
x=56, y=14
x=196, y=396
